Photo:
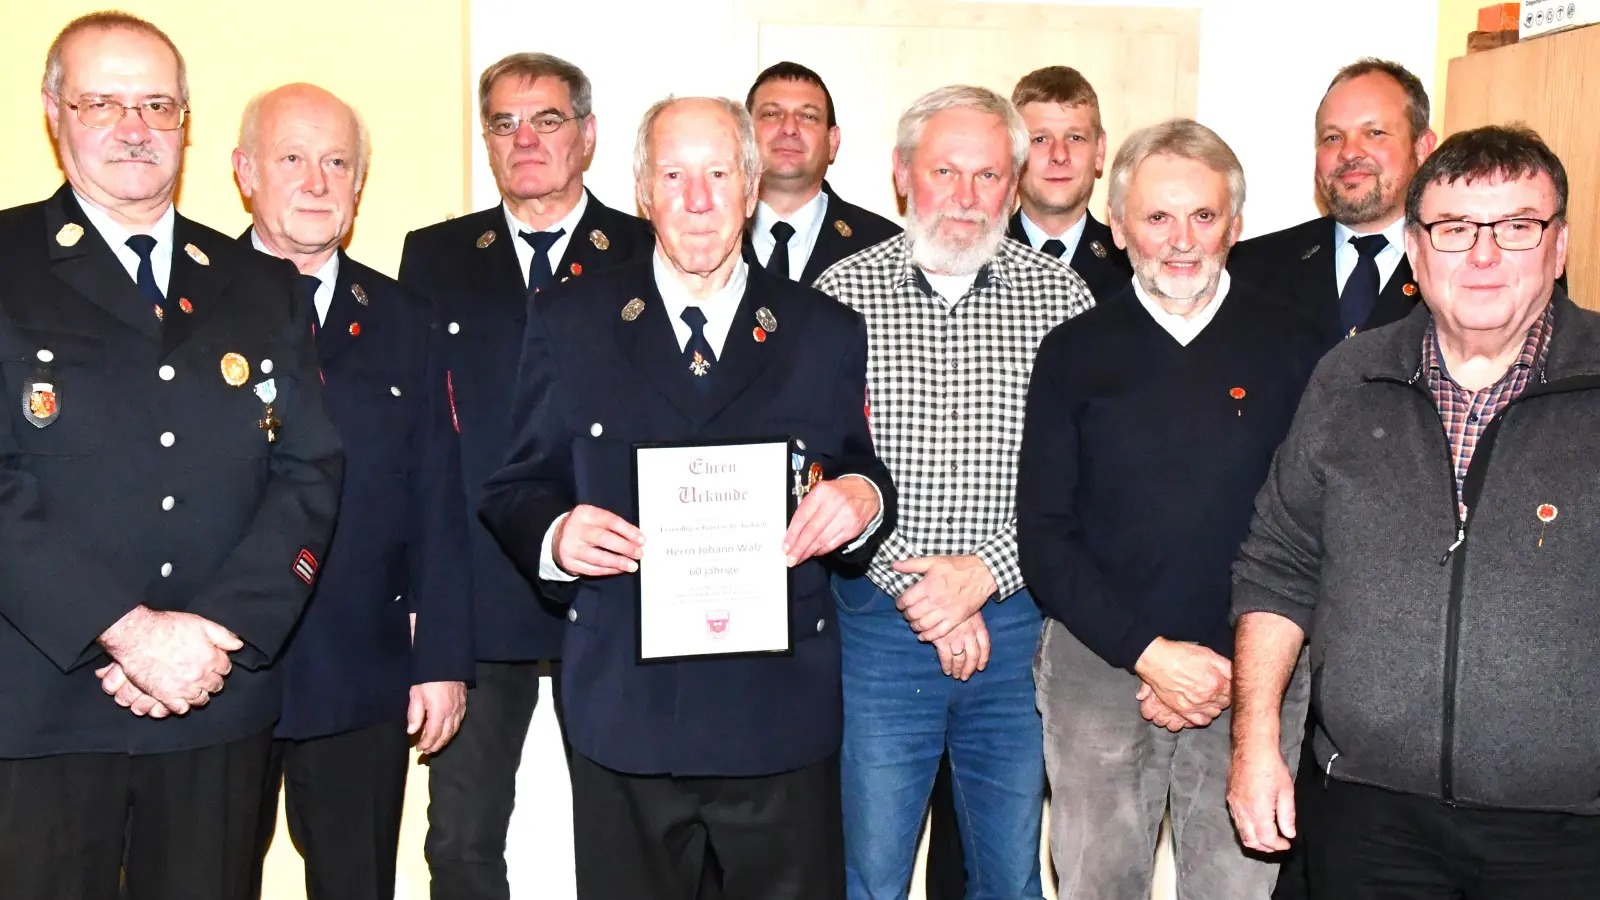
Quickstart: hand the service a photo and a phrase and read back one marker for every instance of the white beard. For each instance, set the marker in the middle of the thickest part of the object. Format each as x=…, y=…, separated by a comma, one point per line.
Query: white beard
x=934, y=255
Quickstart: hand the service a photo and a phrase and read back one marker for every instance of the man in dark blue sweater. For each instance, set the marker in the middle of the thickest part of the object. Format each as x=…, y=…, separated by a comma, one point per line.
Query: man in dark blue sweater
x=1151, y=421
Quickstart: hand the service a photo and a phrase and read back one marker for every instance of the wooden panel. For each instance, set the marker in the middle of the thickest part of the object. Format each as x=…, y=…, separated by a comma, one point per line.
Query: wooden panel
x=1544, y=83
x=879, y=56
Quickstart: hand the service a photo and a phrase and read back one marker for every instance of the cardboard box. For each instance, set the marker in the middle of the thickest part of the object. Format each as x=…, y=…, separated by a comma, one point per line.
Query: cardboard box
x=1547, y=16
x=1499, y=17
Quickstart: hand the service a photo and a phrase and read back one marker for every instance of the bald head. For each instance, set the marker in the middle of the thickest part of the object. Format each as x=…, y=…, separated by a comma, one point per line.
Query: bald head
x=301, y=160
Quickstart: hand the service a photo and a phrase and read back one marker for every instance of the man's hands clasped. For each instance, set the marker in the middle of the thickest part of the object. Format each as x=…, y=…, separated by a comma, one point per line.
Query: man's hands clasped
x=165, y=663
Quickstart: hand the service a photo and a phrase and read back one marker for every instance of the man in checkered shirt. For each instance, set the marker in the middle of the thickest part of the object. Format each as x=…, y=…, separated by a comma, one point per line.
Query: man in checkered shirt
x=954, y=315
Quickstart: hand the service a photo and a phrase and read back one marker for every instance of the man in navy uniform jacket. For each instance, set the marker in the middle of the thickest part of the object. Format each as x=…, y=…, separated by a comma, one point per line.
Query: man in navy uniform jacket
x=480, y=270
x=357, y=683
x=168, y=482
x=676, y=762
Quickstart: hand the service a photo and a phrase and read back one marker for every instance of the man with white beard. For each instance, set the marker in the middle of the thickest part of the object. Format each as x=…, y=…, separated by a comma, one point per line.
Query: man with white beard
x=1151, y=423
x=938, y=637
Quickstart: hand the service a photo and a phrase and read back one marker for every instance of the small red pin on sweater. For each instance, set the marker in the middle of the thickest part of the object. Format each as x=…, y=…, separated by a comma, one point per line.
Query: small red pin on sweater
x=1546, y=513
x=1237, y=394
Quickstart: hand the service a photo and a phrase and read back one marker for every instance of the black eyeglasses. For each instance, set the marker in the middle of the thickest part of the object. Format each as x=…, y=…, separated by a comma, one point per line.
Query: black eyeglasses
x=1461, y=235
x=507, y=124
x=103, y=112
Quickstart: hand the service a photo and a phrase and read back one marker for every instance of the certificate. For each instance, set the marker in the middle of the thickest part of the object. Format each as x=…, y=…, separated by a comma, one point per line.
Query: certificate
x=713, y=580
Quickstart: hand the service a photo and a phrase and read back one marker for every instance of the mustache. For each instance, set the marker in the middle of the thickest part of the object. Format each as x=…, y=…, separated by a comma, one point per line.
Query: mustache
x=1357, y=165
x=133, y=153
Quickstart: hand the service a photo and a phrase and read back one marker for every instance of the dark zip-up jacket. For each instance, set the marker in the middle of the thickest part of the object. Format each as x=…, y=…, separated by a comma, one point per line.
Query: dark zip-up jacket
x=1465, y=674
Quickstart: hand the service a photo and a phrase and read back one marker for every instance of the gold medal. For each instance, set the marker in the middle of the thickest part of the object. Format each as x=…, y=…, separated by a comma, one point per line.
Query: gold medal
x=235, y=370
x=485, y=239
x=69, y=234
x=842, y=228
x=196, y=254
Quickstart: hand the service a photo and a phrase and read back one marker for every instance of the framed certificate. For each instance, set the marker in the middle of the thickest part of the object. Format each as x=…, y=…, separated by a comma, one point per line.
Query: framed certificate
x=713, y=581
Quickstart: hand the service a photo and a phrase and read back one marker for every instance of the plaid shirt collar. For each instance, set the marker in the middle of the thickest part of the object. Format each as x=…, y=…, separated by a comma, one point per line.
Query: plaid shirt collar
x=1530, y=362
x=998, y=271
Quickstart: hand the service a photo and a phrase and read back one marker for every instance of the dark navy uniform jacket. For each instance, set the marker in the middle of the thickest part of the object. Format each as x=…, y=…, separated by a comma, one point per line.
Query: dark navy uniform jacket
x=846, y=230
x=400, y=546
x=469, y=267
x=584, y=364
x=1102, y=265
x=153, y=483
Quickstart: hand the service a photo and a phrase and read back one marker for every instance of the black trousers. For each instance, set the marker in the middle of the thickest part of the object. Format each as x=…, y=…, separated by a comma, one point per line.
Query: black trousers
x=946, y=878
x=1374, y=844
x=174, y=826
x=343, y=795
x=655, y=837
x=472, y=783
x=1294, y=880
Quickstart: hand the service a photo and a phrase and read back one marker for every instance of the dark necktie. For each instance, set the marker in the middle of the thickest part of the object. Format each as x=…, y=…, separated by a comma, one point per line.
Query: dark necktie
x=145, y=277
x=539, y=267
x=778, y=262
x=1054, y=248
x=1360, y=293
x=697, y=356
x=309, y=285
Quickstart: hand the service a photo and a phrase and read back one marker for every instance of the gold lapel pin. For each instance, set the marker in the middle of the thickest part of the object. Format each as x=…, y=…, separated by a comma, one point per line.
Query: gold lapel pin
x=1410, y=289
x=485, y=239
x=196, y=254
x=235, y=369
x=1098, y=249
x=632, y=310
x=599, y=240
x=843, y=229
x=70, y=234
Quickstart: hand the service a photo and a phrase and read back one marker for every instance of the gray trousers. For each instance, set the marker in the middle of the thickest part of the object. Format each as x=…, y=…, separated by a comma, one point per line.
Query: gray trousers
x=1112, y=775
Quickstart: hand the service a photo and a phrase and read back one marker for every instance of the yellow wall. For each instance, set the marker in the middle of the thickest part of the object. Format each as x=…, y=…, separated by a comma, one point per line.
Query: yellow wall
x=1456, y=19
x=402, y=63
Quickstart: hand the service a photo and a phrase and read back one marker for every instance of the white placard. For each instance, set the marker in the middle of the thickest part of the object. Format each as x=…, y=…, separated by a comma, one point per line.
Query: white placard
x=713, y=580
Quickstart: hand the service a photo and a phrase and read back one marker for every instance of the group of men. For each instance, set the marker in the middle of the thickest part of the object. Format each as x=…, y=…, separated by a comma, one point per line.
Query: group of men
x=1058, y=463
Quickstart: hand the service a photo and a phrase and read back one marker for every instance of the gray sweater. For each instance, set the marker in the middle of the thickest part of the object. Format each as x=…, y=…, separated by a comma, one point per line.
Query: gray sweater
x=1470, y=675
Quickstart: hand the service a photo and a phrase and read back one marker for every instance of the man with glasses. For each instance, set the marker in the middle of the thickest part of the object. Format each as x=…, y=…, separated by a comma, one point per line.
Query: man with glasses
x=168, y=483
x=1428, y=524
x=481, y=270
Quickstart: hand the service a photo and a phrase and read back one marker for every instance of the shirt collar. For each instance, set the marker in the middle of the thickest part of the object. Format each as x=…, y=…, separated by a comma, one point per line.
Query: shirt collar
x=117, y=236
x=1069, y=238
x=568, y=223
x=1535, y=347
x=328, y=274
x=999, y=270
x=1394, y=232
x=675, y=297
x=1194, y=325
x=803, y=219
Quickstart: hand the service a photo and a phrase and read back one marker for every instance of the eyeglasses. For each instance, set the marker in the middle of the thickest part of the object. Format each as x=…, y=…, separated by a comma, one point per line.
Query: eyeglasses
x=1461, y=235
x=506, y=124
x=103, y=112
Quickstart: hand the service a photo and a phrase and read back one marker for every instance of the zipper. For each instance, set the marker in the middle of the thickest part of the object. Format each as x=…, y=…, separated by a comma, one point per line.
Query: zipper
x=1328, y=772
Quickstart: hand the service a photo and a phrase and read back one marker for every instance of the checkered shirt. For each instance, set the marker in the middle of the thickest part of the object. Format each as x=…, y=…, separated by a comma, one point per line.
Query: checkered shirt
x=946, y=385
x=1466, y=414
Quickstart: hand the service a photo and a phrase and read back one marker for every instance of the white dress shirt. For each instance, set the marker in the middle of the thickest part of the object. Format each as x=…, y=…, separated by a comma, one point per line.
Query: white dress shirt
x=568, y=224
x=807, y=222
x=1183, y=330
x=1037, y=235
x=1388, y=259
x=950, y=288
x=117, y=236
x=328, y=275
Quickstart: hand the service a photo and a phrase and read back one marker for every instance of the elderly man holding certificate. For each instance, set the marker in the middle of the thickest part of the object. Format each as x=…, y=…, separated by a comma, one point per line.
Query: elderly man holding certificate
x=691, y=457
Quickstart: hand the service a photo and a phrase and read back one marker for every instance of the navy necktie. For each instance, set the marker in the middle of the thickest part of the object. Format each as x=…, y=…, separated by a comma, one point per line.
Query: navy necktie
x=309, y=285
x=1360, y=292
x=1054, y=248
x=145, y=277
x=697, y=356
x=539, y=267
x=778, y=262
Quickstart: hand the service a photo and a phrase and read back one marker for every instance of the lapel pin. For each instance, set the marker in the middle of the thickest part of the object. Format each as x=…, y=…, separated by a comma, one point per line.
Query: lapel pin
x=235, y=369
x=632, y=310
x=843, y=229
x=1547, y=514
x=185, y=305
x=40, y=403
x=563, y=281
x=767, y=319
x=355, y=328
x=1312, y=252
x=1410, y=289
x=160, y=313
x=797, y=462
x=759, y=334
x=69, y=234
x=813, y=476
x=599, y=240
x=576, y=269
x=359, y=293
x=485, y=239
x=1237, y=394
x=196, y=254
x=1098, y=249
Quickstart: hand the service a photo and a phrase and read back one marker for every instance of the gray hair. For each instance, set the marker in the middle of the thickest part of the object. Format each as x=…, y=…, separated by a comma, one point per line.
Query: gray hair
x=250, y=130
x=1184, y=139
x=961, y=96
x=54, y=68
x=749, y=151
x=532, y=67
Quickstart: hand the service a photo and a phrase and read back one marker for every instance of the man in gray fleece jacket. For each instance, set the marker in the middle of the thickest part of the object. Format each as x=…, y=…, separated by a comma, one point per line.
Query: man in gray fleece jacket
x=1432, y=526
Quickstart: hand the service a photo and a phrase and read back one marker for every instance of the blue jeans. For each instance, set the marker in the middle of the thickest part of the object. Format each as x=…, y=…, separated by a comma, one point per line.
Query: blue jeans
x=900, y=713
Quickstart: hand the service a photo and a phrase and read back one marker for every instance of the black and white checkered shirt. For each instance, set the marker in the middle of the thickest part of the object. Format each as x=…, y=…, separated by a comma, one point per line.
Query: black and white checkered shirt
x=946, y=384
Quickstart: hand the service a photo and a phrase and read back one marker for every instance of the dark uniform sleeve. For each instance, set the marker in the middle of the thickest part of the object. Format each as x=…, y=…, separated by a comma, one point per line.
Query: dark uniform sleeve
x=262, y=587
x=437, y=553
x=860, y=456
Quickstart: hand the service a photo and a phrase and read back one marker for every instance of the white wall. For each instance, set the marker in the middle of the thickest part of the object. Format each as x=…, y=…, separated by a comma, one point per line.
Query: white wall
x=1263, y=67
